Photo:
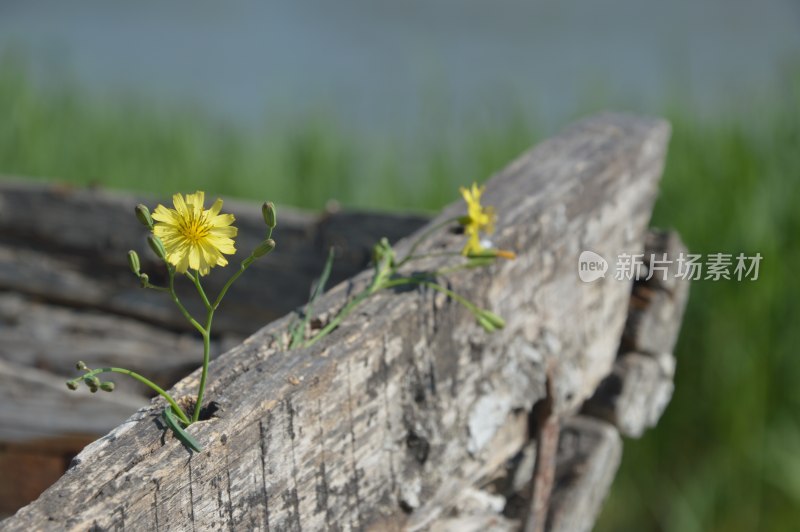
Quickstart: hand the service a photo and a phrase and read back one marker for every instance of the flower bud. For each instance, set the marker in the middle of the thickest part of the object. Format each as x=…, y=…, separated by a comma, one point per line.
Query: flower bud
x=81, y=366
x=383, y=251
x=496, y=321
x=157, y=246
x=133, y=262
x=270, y=214
x=72, y=385
x=143, y=215
x=486, y=324
x=263, y=248
x=144, y=279
x=92, y=381
x=107, y=386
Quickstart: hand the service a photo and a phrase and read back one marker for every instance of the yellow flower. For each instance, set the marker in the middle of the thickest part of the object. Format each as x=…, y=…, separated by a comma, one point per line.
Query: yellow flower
x=478, y=219
x=193, y=237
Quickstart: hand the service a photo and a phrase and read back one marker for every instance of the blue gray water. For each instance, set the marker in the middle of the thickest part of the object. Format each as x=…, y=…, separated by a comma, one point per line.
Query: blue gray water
x=387, y=64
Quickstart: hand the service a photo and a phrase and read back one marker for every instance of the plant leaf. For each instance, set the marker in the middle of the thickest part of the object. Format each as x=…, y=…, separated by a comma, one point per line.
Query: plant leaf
x=175, y=425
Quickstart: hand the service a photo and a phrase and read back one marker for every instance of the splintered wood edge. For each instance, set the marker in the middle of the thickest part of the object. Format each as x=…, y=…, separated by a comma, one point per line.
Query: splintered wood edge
x=376, y=430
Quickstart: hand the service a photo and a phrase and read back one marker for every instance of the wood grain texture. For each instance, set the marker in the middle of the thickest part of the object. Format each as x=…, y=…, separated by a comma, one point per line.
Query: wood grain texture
x=43, y=425
x=588, y=457
x=38, y=406
x=408, y=402
x=53, y=338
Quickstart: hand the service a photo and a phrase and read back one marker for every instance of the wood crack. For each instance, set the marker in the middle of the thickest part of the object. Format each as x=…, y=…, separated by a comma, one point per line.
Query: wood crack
x=388, y=439
x=290, y=412
x=264, y=444
x=355, y=480
x=322, y=489
x=191, y=495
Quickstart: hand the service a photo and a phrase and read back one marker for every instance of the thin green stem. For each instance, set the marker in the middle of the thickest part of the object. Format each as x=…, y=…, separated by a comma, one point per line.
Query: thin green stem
x=453, y=269
x=436, y=286
x=144, y=380
x=424, y=236
x=155, y=287
x=346, y=310
x=204, y=375
x=378, y=282
x=245, y=264
x=228, y=284
x=431, y=255
x=196, y=280
x=178, y=303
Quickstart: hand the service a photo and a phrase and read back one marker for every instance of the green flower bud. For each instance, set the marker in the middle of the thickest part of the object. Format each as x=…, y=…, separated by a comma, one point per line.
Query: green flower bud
x=270, y=214
x=486, y=324
x=81, y=366
x=93, y=389
x=383, y=251
x=496, y=321
x=157, y=246
x=143, y=215
x=72, y=385
x=265, y=247
x=133, y=262
x=107, y=386
x=143, y=279
x=92, y=381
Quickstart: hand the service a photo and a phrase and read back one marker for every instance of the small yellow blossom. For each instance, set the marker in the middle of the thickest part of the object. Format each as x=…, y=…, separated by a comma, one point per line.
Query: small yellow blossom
x=478, y=219
x=192, y=236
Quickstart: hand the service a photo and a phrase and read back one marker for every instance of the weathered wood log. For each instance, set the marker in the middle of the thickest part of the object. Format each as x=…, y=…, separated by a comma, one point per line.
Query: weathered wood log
x=53, y=338
x=637, y=391
x=588, y=457
x=66, y=295
x=43, y=425
x=35, y=418
x=71, y=298
x=389, y=420
x=70, y=295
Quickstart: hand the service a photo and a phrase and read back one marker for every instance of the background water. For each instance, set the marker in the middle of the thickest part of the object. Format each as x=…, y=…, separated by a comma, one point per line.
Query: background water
x=386, y=65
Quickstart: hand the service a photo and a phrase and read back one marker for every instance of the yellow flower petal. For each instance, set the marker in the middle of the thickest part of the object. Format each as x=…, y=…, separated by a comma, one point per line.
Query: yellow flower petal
x=478, y=218
x=214, y=210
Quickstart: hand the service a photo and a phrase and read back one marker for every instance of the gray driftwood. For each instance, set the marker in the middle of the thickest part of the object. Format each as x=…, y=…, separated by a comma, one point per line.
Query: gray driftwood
x=403, y=412
x=637, y=391
x=43, y=424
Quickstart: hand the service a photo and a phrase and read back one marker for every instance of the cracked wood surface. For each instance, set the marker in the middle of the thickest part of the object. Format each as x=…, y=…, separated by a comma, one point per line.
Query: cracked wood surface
x=409, y=401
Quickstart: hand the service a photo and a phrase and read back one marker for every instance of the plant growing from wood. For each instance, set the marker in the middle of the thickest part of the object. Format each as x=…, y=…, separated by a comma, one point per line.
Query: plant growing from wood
x=189, y=240
x=477, y=251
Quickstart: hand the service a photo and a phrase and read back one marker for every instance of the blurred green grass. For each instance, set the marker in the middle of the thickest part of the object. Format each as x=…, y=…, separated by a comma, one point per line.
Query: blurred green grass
x=59, y=133
x=726, y=455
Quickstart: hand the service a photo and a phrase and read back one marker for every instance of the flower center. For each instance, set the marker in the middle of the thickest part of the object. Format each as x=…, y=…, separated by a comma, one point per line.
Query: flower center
x=195, y=229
